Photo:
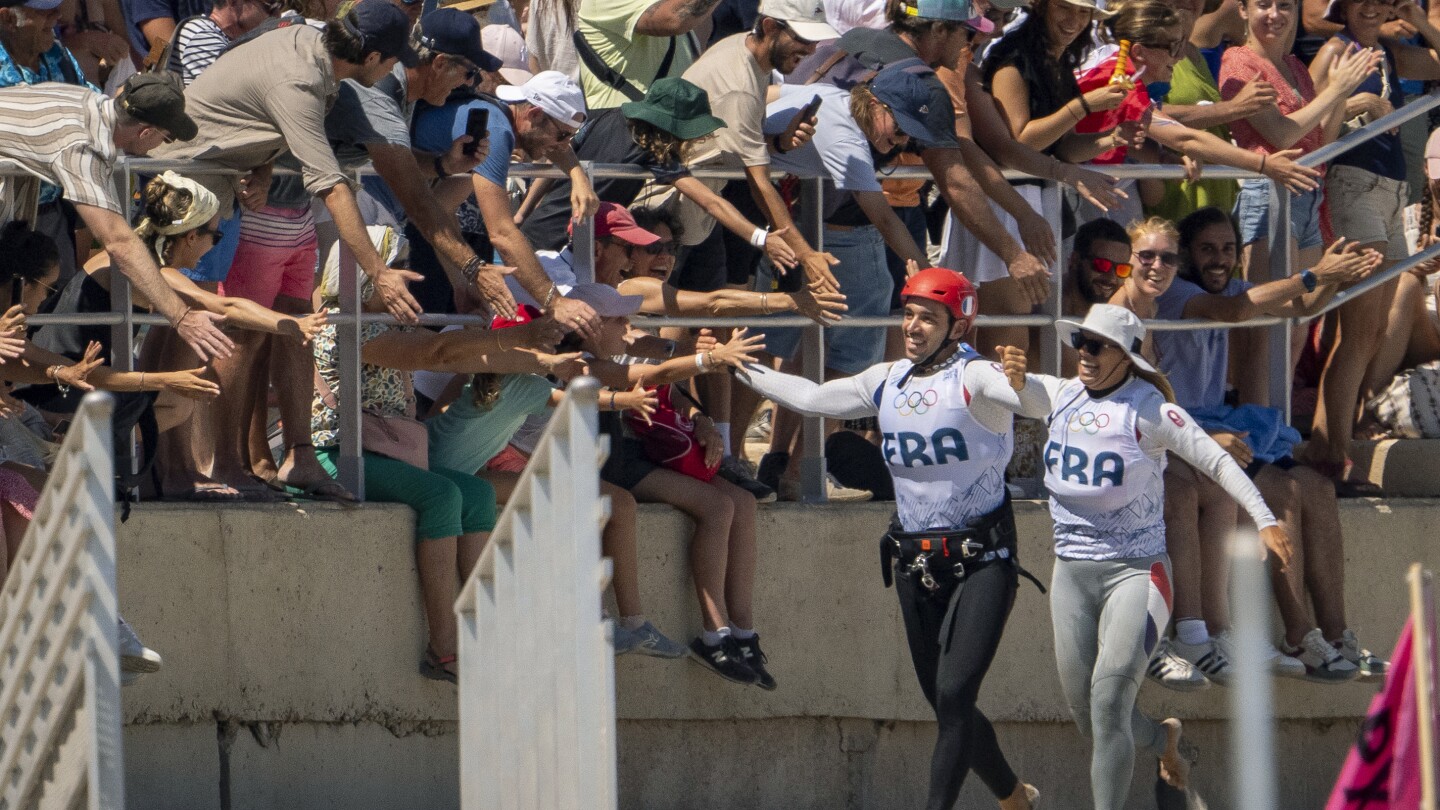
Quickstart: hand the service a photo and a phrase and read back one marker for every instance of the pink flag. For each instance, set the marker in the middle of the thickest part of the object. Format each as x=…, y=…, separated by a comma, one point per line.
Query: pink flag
x=1382, y=772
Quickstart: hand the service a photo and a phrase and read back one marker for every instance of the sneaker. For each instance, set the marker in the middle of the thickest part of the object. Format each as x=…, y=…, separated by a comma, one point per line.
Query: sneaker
x=1372, y=667
x=755, y=659
x=1208, y=658
x=135, y=656
x=772, y=466
x=1323, y=663
x=1173, y=672
x=835, y=492
x=760, y=426
x=1279, y=663
x=647, y=640
x=624, y=641
x=738, y=471
x=722, y=659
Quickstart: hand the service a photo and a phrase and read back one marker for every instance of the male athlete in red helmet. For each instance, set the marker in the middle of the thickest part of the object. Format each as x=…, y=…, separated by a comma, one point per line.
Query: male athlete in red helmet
x=946, y=415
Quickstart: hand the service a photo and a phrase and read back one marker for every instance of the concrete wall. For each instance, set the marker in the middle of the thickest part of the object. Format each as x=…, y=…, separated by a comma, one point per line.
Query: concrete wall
x=291, y=640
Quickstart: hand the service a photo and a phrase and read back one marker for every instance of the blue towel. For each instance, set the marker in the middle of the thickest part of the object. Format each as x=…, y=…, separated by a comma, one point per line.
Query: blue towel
x=1269, y=438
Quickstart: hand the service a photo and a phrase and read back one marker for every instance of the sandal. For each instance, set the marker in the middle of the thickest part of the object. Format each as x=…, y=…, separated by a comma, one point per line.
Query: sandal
x=434, y=666
x=212, y=492
x=327, y=489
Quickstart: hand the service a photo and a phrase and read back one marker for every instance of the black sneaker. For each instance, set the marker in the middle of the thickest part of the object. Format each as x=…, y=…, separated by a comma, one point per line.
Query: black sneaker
x=738, y=472
x=754, y=658
x=772, y=466
x=723, y=659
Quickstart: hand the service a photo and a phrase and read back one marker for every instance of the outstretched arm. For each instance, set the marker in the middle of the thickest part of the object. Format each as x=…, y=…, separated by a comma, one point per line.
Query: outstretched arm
x=847, y=398
x=1170, y=427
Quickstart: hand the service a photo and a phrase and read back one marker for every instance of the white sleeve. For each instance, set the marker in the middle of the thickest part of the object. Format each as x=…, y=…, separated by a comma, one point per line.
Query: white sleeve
x=846, y=398
x=993, y=402
x=1170, y=427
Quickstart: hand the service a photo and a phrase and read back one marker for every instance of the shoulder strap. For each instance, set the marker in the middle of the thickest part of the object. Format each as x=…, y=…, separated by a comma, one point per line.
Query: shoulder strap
x=608, y=75
x=827, y=65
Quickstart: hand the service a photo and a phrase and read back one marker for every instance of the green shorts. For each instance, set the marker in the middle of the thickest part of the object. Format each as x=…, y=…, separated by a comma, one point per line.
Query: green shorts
x=447, y=503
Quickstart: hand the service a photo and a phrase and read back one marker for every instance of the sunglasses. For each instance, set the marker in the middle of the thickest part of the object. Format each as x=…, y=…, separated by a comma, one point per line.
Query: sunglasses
x=1168, y=258
x=1173, y=47
x=471, y=71
x=1084, y=343
x=666, y=246
x=214, y=234
x=561, y=134
x=1120, y=269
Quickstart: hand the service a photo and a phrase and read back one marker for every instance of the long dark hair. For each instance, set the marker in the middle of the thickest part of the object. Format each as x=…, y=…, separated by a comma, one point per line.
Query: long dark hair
x=1052, y=82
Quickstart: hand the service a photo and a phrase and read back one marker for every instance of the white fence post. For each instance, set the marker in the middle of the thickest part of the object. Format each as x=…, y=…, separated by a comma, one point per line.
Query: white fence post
x=537, y=675
x=60, y=743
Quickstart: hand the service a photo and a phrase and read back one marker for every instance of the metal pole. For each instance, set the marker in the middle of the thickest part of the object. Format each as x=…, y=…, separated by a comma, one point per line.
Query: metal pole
x=1050, y=349
x=1252, y=720
x=1278, y=369
x=351, y=464
x=812, y=348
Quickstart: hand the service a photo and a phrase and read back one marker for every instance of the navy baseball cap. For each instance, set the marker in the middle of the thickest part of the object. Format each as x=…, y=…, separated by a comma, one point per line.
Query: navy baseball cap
x=453, y=32
x=381, y=27
x=908, y=97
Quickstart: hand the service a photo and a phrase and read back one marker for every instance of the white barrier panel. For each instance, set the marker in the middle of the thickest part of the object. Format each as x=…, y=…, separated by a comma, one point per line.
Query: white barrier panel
x=59, y=662
x=537, y=675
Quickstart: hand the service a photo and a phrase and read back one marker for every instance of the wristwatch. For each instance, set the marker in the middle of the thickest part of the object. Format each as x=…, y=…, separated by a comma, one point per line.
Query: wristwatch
x=1309, y=279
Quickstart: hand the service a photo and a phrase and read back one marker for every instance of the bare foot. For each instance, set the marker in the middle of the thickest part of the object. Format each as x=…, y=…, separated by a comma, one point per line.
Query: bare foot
x=1174, y=766
x=1024, y=798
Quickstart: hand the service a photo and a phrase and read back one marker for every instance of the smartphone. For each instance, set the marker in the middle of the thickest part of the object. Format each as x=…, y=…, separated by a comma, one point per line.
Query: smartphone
x=809, y=110
x=477, y=126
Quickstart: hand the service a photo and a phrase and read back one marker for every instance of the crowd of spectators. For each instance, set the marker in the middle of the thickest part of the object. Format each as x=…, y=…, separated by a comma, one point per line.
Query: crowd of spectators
x=269, y=107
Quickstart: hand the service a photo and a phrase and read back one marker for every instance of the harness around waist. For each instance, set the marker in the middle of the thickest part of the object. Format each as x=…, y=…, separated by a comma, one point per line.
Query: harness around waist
x=988, y=538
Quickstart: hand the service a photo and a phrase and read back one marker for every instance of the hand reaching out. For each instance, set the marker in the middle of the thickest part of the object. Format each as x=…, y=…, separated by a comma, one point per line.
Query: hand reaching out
x=738, y=351
x=1013, y=364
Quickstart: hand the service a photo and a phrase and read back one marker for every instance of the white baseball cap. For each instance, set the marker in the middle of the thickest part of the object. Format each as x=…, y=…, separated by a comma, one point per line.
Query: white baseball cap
x=1115, y=324
x=805, y=17
x=551, y=91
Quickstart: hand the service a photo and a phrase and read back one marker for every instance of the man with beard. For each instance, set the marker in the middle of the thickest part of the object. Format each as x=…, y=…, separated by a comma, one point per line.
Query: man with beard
x=1099, y=264
x=1260, y=441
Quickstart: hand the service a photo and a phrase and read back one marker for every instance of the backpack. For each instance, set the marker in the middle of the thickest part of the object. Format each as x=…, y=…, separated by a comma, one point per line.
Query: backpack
x=1409, y=408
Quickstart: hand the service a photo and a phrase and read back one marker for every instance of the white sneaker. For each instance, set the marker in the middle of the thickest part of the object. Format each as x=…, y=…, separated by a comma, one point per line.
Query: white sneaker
x=1372, y=667
x=1323, y=663
x=1173, y=672
x=1279, y=663
x=1208, y=658
x=135, y=657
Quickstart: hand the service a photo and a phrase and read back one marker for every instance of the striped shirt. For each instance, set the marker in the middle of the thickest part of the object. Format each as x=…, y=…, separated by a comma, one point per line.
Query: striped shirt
x=198, y=44
x=64, y=135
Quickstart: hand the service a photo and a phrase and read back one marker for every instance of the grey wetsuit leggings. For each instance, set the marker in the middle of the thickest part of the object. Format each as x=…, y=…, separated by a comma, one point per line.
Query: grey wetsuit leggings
x=1108, y=617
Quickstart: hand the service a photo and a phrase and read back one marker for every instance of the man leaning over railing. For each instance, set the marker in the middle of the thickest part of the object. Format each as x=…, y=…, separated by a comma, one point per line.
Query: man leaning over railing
x=48, y=133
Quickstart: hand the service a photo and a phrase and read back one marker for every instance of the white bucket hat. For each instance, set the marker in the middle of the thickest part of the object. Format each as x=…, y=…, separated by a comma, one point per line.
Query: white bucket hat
x=1118, y=325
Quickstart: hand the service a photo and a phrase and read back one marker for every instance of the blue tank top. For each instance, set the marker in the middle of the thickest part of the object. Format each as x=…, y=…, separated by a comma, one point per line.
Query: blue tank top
x=1380, y=155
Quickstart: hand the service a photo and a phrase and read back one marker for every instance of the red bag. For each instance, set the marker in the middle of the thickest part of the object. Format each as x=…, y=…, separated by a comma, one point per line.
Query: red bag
x=669, y=439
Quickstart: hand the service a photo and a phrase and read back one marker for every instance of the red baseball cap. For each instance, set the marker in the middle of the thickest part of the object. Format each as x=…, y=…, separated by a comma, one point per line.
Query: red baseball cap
x=614, y=220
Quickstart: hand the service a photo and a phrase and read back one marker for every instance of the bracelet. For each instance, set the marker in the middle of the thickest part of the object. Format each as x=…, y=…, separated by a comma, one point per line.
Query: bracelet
x=499, y=347
x=142, y=381
x=183, y=316
x=471, y=270
x=1084, y=105
x=764, y=303
x=700, y=361
x=612, y=400
x=710, y=359
x=1262, y=163
x=1080, y=116
x=549, y=296
x=440, y=167
x=757, y=239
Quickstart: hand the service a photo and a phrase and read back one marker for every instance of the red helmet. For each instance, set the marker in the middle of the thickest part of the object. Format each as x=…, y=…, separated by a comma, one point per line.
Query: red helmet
x=947, y=287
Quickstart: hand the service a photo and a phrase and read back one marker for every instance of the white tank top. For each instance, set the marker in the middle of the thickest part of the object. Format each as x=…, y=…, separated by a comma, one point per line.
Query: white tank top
x=1107, y=494
x=948, y=468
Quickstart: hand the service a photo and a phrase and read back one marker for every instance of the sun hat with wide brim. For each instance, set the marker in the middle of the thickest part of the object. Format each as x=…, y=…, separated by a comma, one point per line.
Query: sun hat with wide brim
x=676, y=106
x=1116, y=325
x=468, y=5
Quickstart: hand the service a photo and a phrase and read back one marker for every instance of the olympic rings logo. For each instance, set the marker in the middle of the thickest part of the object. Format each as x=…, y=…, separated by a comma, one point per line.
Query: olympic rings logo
x=915, y=402
x=1091, y=423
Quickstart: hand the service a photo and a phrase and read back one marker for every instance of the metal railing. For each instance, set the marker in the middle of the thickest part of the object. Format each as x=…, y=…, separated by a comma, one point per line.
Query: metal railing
x=348, y=321
x=60, y=739
x=537, y=670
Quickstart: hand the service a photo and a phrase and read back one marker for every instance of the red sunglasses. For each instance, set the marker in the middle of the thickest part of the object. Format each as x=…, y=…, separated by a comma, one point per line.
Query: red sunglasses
x=1120, y=269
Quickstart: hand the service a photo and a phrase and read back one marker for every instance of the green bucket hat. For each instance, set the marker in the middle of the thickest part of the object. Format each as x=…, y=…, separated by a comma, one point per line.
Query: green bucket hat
x=676, y=106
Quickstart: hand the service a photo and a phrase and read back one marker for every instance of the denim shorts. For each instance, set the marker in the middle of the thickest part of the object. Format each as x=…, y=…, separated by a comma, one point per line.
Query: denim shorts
x=214, y=266
x=1252, y=209
x=865, y=281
